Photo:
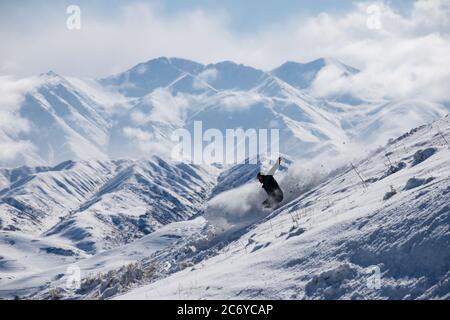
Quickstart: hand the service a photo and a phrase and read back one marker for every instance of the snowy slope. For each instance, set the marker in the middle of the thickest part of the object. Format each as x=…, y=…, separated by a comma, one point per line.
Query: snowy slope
x=67, y=119
x=36, y=273
x=99, y=204
x=326, y=243
x=24, y=254
x=139, y=199
x=34, y=200
x=383, y=120
x=238, y=175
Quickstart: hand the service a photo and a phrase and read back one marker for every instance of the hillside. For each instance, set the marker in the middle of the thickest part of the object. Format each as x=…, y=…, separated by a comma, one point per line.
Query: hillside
x=328, y=241
x=96, y=205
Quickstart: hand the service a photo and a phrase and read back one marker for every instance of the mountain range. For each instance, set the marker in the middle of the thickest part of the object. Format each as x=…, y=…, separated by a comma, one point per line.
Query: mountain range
x=132, y=114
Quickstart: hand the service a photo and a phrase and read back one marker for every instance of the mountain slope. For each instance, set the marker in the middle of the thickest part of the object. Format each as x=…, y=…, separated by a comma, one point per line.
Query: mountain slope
x=29, y=262
x=146, y=77
x=34, y=200
x=332, y=241
x=302, y=75
x=327, y=243
x=100, y=204
x=66, y=120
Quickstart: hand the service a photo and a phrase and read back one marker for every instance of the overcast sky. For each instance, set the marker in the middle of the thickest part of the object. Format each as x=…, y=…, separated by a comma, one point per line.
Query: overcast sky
x=405, y=50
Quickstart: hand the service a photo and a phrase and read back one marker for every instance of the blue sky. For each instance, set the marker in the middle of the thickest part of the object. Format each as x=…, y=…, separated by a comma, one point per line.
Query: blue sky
x=243, y=15
x=248, y=15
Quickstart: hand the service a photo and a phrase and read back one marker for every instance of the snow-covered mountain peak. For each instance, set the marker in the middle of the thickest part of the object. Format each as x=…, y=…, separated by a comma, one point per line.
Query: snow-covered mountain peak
x=49, y=74
x=302, y=75
x=232, y=76
x=145, y=77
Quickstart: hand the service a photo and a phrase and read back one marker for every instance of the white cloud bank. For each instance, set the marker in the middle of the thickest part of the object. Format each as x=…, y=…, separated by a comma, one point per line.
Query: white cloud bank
x=11, y=123
x=407, y=58
x=147, y=143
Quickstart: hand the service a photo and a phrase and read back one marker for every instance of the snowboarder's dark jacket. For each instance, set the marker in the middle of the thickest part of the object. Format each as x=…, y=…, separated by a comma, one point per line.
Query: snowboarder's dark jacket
x=271, y=186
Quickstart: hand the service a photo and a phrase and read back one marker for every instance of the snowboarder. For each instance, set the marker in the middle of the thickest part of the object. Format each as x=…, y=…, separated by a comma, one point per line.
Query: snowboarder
x=270, y=185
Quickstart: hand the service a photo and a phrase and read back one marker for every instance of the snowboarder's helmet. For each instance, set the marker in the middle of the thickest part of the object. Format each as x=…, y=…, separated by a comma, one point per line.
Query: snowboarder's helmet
x=259, y=176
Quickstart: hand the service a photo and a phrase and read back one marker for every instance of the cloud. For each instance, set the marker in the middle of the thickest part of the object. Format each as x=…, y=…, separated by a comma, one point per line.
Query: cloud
x=205, y=77
x=226, y=213
x=105, y=45
x=11, y=123
x=138, y=134
x=410, y=68
x=9, y=151
x=12, y=91
x=146, y=142
x=167, y=107
x=161, y=105
x=139, y=117
x=406, y=58
x=242, y=100
x=12, y=94
x=431, y=16
x=330, y=80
